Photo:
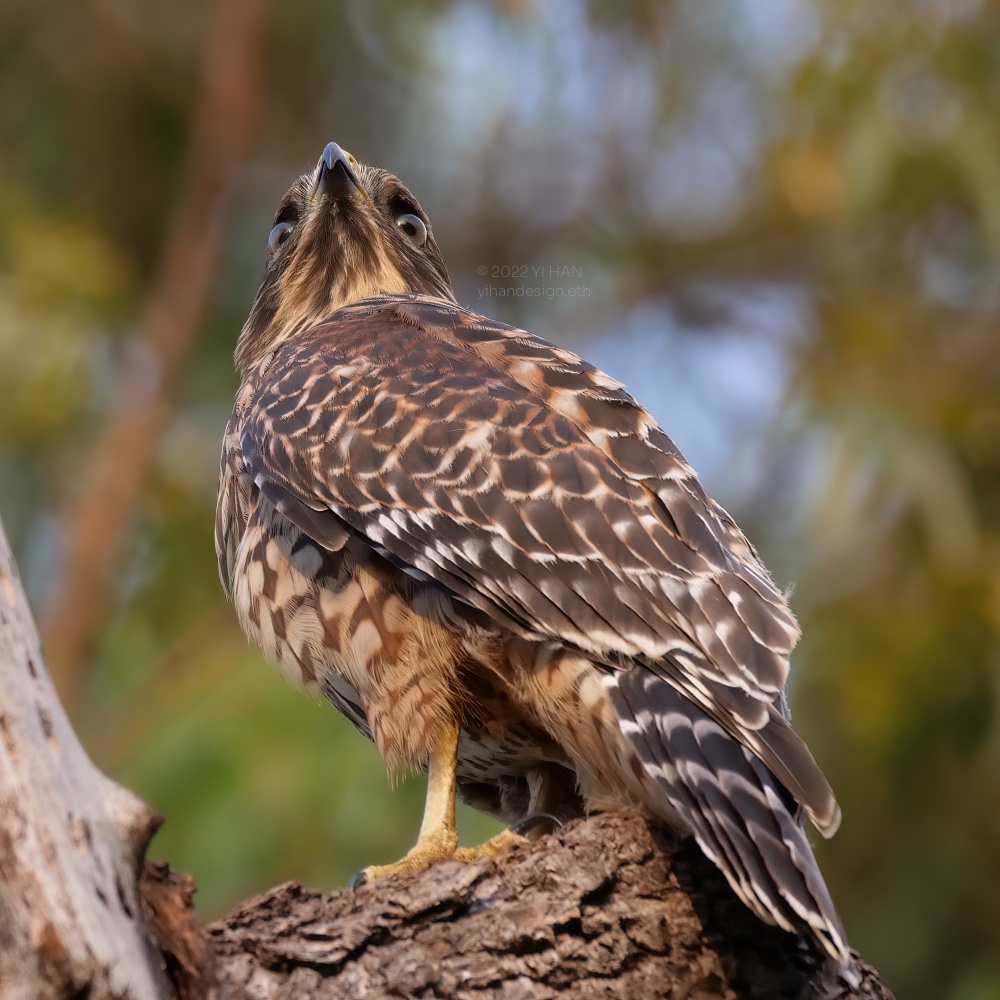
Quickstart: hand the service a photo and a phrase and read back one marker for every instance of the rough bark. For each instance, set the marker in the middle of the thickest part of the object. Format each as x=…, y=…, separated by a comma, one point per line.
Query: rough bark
x=71, y=841
x=604, y=908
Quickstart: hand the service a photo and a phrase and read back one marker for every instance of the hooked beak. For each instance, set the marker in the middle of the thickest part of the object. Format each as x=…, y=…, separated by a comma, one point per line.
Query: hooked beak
x=336, y=176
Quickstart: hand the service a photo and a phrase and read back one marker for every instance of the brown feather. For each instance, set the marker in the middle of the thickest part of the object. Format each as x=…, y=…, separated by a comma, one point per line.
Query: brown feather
x=435, y=519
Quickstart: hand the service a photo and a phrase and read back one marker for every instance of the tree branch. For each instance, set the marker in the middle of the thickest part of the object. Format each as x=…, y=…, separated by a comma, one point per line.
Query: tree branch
x=605, y=908
x=126, y=448
x=71, y=841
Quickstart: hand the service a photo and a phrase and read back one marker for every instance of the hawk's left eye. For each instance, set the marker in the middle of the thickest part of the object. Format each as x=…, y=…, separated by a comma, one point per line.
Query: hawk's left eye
x=279, y=234
x=414, y=227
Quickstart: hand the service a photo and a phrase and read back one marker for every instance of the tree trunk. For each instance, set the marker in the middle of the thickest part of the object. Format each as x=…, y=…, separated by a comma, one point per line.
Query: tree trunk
x=604, y=908
x=71, y=841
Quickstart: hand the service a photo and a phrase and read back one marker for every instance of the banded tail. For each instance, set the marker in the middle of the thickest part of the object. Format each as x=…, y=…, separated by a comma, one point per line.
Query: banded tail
x=740, y=815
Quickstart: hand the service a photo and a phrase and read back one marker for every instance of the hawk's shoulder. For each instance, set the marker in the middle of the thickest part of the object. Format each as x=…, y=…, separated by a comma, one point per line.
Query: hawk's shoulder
x=520, y=476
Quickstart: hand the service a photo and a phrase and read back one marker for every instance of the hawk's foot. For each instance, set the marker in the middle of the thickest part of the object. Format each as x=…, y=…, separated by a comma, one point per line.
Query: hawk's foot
x=438, y=838
x=502, y=842
x=530, y=828
x=536, y=826
x=442, y=845
x=439, y=846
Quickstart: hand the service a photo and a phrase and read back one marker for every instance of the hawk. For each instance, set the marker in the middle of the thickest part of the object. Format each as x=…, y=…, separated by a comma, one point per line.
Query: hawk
x=493, y=561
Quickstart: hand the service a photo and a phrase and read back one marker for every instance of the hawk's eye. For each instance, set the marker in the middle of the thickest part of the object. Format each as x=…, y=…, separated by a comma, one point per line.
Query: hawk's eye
x=414, y=227
x=279, y=234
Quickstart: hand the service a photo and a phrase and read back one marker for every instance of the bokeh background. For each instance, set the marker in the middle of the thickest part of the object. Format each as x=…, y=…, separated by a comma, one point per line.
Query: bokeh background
x=777, y=220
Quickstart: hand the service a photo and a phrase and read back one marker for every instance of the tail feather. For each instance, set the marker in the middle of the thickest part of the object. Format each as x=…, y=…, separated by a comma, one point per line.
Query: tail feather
x=733, y=805
x=682, y=795
x=771, y=738
x=711, y=800
x=789, y=759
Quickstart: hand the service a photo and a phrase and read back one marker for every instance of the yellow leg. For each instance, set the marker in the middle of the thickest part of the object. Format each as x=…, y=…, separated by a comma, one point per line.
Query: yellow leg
x=438, y=837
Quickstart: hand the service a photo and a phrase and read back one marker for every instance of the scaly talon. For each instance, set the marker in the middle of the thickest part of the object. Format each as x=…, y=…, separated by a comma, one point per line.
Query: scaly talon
x=524, y=831
x=438, y=837
x=440, y=846
x=502, y=842
x=536, y=825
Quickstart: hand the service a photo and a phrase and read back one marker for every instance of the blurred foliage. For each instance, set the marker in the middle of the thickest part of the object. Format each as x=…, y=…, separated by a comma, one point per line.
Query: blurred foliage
x=786, y=217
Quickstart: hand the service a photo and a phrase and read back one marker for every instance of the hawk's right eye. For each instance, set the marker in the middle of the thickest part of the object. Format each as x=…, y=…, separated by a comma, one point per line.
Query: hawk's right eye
x=414, y=227
x=279, y=234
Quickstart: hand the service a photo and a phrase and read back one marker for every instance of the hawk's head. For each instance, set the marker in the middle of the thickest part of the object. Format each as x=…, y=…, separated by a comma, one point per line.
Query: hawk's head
x=343, y=232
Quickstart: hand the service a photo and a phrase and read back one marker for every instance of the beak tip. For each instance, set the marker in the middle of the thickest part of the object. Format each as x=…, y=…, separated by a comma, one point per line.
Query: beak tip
x=331, y=154
x=335, y=173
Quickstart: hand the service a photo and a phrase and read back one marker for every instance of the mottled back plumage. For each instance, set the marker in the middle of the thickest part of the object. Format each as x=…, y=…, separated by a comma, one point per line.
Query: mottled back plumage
x=432, y=516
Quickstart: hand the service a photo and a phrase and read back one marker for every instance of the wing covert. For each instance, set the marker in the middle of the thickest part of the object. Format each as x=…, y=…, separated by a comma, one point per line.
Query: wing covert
x=524, y=480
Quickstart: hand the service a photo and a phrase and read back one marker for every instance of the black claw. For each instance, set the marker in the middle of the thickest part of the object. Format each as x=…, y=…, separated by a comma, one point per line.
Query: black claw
x=538, y=824
x=358, y=881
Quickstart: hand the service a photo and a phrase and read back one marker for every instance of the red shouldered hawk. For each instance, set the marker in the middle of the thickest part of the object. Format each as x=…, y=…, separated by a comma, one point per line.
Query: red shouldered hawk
x=492, y=560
